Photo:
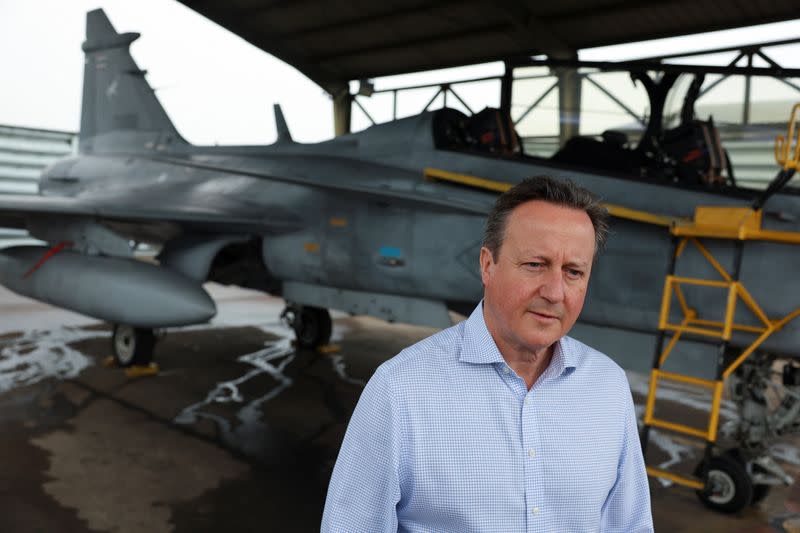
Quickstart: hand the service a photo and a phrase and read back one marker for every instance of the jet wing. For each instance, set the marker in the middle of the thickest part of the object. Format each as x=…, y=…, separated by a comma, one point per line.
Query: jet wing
x=224, y=217
x=353, y=178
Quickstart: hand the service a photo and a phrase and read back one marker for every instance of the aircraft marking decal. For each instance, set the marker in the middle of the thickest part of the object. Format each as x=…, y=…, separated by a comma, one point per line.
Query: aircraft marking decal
x=46, y=257
x=391, y=251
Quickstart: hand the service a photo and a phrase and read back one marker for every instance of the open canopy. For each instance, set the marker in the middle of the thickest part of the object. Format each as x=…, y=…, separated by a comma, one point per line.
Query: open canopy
x=334, y=41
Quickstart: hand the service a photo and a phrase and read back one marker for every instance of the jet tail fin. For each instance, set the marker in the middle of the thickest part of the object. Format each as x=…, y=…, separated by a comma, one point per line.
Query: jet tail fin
x=120, y=109
x=284, y=135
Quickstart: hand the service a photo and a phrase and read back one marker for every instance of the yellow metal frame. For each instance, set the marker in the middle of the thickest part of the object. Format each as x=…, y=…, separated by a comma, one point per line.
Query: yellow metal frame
x=720, y=223
x=738, y=223
x=675, y=478
x=784, y=155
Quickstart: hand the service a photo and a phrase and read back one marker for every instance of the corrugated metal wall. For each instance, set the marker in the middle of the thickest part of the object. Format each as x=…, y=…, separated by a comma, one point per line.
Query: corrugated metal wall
x=25, y=152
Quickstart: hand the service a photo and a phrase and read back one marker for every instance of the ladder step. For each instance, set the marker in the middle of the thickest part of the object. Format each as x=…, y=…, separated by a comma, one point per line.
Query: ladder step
x=681, y=480
x=683, y=378
x=692, y=329
x=678, y=428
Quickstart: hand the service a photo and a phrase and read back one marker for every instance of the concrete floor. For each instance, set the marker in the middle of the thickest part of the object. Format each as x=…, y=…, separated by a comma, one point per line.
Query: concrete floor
x=239, y=432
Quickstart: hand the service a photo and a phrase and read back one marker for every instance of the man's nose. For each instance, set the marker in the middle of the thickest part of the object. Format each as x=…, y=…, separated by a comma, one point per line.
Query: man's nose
x=552, y=288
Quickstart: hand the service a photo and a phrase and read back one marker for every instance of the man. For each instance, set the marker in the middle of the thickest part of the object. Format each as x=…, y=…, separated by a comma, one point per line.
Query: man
x=502, y=423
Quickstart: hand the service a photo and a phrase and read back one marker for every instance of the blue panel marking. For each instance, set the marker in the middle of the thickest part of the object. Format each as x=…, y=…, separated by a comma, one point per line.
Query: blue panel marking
x=390, y=251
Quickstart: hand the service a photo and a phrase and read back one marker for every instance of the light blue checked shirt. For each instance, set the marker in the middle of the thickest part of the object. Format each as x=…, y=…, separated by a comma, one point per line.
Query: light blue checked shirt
x=447, y=438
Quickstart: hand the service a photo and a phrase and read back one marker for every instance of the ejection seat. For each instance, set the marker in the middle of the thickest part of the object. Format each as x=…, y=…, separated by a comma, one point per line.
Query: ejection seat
x=490, y=131
x=610, y=153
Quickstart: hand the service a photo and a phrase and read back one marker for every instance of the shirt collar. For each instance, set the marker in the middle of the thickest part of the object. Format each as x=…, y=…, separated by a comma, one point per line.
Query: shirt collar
x=564, y=356
x=479, y=346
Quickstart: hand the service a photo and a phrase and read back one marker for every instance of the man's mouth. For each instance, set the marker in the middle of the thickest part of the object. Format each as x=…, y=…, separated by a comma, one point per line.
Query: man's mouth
x=544, y=316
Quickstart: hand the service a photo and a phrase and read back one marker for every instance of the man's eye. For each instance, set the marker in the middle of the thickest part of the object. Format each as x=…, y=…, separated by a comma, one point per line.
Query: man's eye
x=534, y=264
x=574, y=274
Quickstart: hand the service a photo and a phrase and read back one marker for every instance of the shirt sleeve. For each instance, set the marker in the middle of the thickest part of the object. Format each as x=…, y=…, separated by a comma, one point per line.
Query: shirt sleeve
x=364, y=488
x=627, y=508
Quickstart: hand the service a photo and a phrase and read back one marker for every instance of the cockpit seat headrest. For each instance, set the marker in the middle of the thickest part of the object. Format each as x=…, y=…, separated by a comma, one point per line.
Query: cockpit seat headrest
x=615, y=138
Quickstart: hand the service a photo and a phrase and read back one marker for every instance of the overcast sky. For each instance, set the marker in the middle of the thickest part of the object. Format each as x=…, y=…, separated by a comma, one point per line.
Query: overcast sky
x=216, y=87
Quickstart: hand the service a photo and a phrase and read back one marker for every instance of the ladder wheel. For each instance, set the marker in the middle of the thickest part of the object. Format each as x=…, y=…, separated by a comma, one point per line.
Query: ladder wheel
x=728, y=486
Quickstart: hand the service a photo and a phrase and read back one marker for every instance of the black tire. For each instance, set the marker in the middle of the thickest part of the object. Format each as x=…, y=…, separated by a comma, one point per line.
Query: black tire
x=728, y=486
x=132, y=346
x=312, y=326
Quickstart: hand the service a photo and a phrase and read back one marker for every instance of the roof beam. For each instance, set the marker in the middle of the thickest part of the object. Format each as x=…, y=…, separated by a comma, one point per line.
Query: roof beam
x=754, y=47
x=533, y=32
x=613, y=9
x=643, y=66
x=619, y=8
x=357, y=23
x=426, y=41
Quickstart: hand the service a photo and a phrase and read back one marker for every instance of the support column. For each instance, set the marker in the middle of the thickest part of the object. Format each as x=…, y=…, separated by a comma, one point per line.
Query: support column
x=569, y=102
x=342, y=107
x=506, y=86
x=747, y=95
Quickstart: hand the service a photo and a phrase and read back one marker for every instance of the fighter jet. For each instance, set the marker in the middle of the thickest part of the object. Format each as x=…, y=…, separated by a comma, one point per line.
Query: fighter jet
x=385, y=222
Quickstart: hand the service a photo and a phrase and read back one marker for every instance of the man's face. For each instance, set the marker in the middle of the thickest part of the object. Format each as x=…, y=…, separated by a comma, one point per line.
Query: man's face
x=534, y=292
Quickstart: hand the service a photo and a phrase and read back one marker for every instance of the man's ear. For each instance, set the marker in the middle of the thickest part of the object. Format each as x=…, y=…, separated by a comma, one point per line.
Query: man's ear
x=487, y=265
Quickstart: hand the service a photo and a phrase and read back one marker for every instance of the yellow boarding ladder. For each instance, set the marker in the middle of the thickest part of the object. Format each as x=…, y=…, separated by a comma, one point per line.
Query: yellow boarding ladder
x=728, y=223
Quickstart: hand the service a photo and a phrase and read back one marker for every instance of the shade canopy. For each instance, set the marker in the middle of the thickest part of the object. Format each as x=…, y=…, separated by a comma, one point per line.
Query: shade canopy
x=334, y=41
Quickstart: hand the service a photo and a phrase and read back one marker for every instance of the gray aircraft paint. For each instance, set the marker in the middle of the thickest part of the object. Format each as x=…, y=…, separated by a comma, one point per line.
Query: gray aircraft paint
x=119, y=290
x=351, y=223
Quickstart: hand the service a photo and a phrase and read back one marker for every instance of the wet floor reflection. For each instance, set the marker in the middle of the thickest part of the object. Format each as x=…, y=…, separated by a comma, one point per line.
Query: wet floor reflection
x=240, y=387
x=30, y=357
x=247, y=432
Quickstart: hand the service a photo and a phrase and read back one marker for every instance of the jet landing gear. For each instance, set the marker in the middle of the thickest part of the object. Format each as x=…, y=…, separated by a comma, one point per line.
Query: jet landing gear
x=311, y=325
x=133, y=349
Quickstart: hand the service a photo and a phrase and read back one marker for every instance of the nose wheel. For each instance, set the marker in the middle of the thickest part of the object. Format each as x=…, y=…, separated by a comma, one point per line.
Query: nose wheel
x=132, y=346
x=312, y=325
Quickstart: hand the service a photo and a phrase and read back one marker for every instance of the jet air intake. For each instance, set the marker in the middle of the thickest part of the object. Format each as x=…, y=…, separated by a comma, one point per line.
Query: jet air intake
x=122, y=291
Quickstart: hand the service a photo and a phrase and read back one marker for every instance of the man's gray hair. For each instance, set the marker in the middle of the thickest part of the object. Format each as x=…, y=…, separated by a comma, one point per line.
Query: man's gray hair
x=549, y=190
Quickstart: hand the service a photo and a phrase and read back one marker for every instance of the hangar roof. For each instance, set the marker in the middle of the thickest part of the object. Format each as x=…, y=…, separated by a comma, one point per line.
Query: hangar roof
x=333, y=41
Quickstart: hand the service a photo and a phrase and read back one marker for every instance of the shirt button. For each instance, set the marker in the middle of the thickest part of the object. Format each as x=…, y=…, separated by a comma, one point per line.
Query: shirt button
x=507, y=370
x=531, y=453
x=535, y=511
x=527, y=399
